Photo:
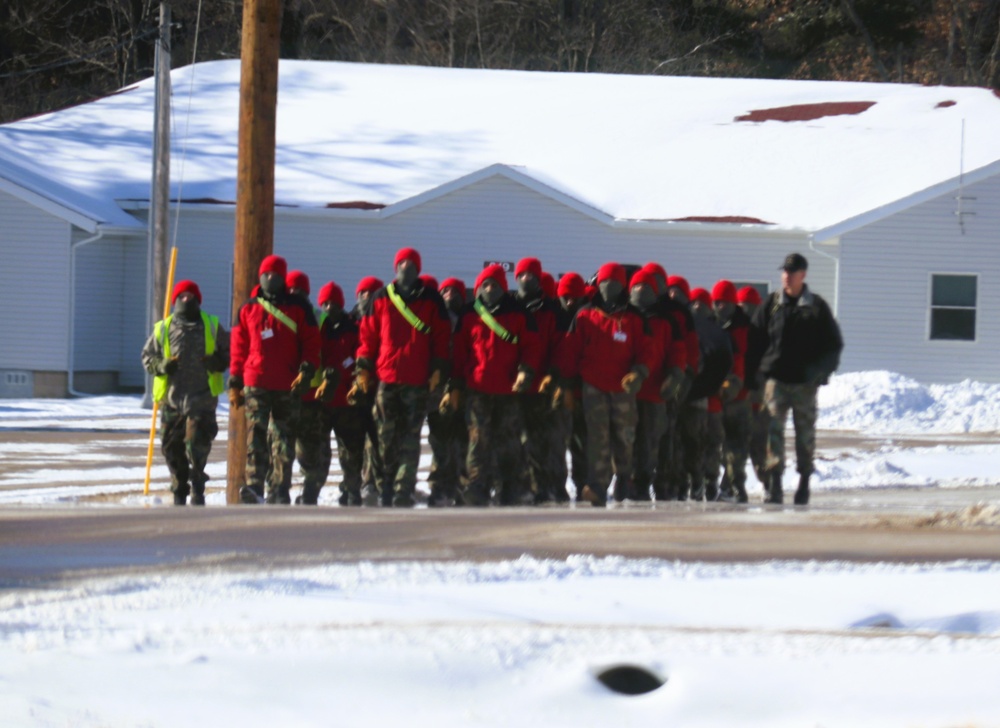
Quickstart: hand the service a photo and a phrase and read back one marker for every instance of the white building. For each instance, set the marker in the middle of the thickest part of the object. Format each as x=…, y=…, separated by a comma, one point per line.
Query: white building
x=891, y=191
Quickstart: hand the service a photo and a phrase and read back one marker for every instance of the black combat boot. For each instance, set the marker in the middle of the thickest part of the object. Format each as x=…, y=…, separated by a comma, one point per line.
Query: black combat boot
x=774, y=490
x=802, y=494
x=741, y=491
x=198, y=493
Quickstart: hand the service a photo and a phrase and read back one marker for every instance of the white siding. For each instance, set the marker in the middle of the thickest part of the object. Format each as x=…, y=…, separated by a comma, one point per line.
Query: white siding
x=98, y=316
x=133, y=313
x=886, y=269
x=34, y=281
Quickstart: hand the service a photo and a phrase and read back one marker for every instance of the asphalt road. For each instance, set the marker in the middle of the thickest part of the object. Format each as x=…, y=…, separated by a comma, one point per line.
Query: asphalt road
x=39, y=545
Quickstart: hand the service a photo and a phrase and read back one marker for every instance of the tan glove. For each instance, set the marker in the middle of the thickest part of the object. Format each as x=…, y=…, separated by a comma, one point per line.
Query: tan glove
x=300, y=385
x=522, y=382
x=546, y=384
x=362, y=383
x=451, y=402
x=631, y=383
x=435, y=381
x=325, y=390
x=236, y=398
x=670, y=390
x=730, y=388
x=563, y=398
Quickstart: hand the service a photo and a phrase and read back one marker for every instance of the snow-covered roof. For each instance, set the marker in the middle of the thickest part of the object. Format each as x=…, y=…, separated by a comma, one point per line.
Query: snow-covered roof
x=795, y=155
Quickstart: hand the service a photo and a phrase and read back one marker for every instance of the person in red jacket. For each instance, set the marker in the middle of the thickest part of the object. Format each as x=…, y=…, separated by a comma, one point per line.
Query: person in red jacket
x=736, y=413
x=652, y=410
x=273, y=356
x=404, y=346
x=572, y=294
x=339, y=343
x=495, y=355
x=608, y=348
x=364, y=294
x=542, y=438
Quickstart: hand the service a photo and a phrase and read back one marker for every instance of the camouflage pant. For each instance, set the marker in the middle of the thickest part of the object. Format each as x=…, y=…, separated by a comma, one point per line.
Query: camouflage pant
x=759, y=423
x=574, y=428
x=371, y=468
x=711, y=457
x=186, y=442
x=736, y=422
x=494, y=424
x=400, y=410
x=689, y=452
x=652, y=424
x=348, y=427
x=310, y=431
x=448, y=438
x=545, y=446
x=669, y=459
x=611, y=419
x=780, y=397
x=269, y=414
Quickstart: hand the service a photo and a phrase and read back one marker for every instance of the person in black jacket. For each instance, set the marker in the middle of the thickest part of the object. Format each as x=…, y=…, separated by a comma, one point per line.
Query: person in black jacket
x=800, y=343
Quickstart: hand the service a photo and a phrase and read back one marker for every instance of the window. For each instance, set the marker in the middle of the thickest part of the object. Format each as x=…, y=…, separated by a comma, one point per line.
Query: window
x=762, y=288
x=953, y=307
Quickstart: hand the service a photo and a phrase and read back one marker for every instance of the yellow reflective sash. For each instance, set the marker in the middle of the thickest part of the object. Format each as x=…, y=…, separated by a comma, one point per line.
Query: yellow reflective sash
x=495, y=326
x=278, y=314
x=216, y=381
x=401, y=306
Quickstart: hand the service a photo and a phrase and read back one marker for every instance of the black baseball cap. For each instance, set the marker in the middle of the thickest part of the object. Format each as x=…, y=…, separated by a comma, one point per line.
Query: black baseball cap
x=794, y=262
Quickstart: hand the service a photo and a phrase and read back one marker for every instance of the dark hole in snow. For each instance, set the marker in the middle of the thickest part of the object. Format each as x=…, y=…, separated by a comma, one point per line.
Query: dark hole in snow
x=945, y=104
x=883, y=620
x=807, y=112
x=630, y=679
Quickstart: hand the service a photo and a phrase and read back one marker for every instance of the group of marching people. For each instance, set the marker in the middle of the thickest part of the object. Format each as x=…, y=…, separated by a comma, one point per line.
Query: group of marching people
x=648, y=384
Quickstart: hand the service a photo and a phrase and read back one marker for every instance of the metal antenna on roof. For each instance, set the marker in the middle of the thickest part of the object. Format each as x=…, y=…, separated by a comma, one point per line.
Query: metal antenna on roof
x=960, y=198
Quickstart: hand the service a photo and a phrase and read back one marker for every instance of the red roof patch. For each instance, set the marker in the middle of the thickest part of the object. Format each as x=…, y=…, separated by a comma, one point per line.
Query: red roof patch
x=945, y=104
x=732, y=219
x=807, y=112
x=356, y=205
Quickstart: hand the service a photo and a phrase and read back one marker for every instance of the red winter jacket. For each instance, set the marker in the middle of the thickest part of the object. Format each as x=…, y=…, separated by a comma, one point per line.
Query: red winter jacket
x=392, y=347
x=687, y=351
x=483, y=361
x=264, y=351
x=738, y=328
x=340, y=345
x=544, y=312
x=603, y=347
x=663, y=354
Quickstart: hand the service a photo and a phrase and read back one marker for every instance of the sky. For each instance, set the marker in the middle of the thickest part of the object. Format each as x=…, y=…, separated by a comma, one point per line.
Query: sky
x=520, y=642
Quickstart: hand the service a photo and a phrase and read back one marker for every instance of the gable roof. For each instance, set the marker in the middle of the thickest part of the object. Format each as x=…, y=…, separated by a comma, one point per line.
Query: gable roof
x=784, y=155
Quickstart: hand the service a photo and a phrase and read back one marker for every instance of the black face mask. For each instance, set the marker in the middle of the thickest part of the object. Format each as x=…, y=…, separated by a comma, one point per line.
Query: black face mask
x=453, y=303
x=332, y=310
x=271, y=284
x=724, y=310
x=365, y=305
x=642, y=297
x=406, y=276
x=529, y=287
x=188, y=309
x=611, y=292
x=490, y=296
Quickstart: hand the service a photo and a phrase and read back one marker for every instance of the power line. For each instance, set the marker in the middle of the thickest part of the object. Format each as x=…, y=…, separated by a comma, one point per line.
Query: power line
x=152, y=32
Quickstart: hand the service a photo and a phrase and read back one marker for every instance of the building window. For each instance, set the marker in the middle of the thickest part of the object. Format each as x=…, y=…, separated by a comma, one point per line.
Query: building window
x=762, y=288
x=953, y=307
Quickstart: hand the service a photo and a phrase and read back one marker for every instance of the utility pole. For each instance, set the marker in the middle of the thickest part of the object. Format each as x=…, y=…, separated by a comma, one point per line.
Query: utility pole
x=159, y=197
x=254, y=239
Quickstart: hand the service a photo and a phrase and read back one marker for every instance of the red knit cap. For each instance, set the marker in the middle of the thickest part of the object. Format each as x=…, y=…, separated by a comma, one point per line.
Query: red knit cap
x=331, y=292
x=572, y=284
x=548, y=285
x=528, y=265
x=455, y=283
x=273, y=264
x=612, y=272
x=680, y=282
x=657, y=270
x=748, y=294
x=185, y=287
x=701, y=295
x=429, y=281
x=496, y=272
x=644, y=277
x=724, y=291
x=298, y=279
x=368, y=283
x=407, y=254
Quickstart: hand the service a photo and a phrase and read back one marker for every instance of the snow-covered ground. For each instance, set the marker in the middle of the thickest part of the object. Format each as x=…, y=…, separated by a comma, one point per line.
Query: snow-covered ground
x=516, y=642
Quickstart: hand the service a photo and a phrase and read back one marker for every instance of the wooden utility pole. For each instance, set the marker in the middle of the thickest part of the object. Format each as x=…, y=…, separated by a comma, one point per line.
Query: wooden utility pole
x=254, y=184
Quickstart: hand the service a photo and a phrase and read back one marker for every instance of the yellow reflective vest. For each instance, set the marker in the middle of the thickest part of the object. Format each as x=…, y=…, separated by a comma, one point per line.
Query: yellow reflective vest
x=216, y=382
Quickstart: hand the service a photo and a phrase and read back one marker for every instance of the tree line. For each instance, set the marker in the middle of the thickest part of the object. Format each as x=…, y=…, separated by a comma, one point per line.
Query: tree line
x=55, y=53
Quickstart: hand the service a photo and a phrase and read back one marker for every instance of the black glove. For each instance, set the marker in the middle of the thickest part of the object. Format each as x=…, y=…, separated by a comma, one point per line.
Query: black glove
x=236, y=382
x=215, y=362
x=170, y=365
